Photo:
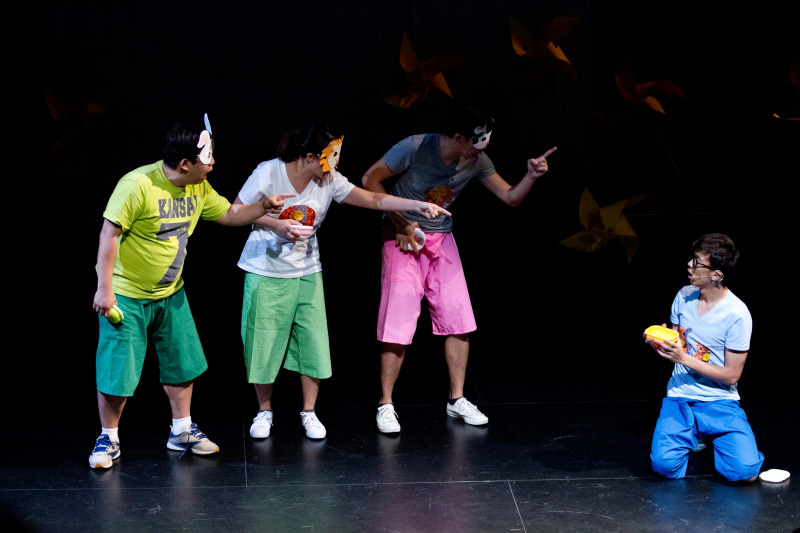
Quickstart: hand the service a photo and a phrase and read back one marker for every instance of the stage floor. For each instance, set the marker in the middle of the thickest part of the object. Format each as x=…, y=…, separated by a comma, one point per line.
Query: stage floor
x=579, y=466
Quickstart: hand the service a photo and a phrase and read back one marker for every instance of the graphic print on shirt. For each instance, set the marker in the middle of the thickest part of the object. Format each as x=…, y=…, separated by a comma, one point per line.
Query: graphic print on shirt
x=683, y=332
x=304, y=214
x=172, y=208
x=702, y=353
x=179, y=230
x=440, y=195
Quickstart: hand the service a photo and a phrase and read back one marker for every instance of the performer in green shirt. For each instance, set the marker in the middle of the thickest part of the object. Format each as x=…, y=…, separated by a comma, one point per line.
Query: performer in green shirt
x=149, y=218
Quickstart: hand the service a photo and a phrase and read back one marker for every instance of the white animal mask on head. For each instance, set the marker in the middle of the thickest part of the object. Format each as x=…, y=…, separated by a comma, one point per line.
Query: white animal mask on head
x=205, y=143
x=482, y=136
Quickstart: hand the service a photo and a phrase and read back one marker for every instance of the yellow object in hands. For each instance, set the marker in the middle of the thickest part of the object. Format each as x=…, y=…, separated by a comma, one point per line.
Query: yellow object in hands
x=661, y=333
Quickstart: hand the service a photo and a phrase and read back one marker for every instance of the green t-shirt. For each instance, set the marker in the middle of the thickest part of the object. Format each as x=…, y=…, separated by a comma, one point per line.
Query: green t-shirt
x=157, y=219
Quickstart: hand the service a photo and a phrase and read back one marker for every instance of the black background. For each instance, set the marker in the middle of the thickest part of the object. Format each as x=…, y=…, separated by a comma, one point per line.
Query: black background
x=555, y=324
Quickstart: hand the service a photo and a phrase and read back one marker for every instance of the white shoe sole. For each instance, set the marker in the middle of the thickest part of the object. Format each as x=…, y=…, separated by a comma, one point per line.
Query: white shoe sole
x=389, y=429
x=102, y=465
x=194, y=449
x=260, y=433
x=470, y=421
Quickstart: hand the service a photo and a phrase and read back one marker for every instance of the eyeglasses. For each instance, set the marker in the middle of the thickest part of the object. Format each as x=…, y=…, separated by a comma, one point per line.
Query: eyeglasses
x=696, y=263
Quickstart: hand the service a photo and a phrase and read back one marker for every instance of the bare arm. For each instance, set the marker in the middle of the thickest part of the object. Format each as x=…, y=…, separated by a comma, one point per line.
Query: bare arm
x=728, y=374
x=373, y=181
x=514, y=196
x=104, y=298
x=375, y=197
x=240, y=214
x=386, y=202
x=282, y=227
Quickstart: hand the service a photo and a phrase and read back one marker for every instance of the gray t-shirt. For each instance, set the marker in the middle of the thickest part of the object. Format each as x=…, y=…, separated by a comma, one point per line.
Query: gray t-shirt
x=423, y=176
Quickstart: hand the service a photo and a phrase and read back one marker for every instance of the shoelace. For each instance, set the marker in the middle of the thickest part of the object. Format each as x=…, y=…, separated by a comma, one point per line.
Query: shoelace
x=386, y=413
x=312, y=421
x=194, y=432
x=469, y=406
x=101, y=446
x=263, y=416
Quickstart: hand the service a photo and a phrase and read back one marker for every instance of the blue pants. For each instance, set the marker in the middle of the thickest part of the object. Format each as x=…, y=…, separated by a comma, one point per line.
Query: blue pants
x=682, y=422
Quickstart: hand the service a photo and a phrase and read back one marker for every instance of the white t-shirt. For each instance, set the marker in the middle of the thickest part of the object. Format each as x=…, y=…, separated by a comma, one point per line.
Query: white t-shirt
x=267, y=254
x=726, y=325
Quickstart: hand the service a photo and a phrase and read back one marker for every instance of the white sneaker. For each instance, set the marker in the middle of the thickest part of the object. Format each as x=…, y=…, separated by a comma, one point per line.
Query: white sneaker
x=467, y=411
x=261, y=426
x=314, y=428
x=387, y=419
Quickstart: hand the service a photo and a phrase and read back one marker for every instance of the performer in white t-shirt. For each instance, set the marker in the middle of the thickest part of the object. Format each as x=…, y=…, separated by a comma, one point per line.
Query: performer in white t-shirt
x=283, y=312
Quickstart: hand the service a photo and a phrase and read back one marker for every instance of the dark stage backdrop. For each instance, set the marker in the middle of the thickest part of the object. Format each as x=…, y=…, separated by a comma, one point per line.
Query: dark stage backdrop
x=94, y=86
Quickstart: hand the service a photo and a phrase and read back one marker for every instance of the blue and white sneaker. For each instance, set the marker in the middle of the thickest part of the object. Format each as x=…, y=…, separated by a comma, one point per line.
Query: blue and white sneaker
x=104, y=452
x=194, y=440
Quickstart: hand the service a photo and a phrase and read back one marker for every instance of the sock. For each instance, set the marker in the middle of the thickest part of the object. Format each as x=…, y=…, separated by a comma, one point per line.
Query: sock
x=454, y=400
x=113, y=433
x=179, y=425
x=307, y=411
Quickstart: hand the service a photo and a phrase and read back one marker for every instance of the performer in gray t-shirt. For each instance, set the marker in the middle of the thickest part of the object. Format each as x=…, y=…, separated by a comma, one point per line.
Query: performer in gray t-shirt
x=434, y=168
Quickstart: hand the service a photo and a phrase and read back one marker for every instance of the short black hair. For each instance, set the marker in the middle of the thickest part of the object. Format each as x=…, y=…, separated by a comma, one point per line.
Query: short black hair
x=181, y=144
x=722, y=253
x=310, y=139
x=462, y=118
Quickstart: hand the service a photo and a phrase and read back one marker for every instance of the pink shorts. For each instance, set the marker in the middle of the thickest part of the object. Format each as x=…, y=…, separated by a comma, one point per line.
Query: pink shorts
x=436, y=274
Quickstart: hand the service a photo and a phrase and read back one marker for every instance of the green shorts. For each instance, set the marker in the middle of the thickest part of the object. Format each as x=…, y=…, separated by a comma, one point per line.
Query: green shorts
x=122, y=347
x=284, y=325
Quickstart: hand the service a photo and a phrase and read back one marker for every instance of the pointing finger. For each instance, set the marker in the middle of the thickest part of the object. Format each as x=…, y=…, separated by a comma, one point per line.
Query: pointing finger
x=547, y=153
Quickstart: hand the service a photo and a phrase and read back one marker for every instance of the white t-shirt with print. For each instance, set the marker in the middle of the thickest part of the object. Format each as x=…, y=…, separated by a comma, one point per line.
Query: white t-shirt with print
x=267, y=254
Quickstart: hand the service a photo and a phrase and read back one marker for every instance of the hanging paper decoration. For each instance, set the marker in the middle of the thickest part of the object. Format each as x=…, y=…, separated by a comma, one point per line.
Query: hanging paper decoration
x=423, y=75
x=547, y=45
x=604, y=224
x=644, y=94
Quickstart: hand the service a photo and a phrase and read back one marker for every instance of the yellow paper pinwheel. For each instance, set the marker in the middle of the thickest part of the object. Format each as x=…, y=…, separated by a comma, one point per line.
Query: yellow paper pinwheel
x=547, y=46
x=647, y=93
x=604, y=224
x=423, y=75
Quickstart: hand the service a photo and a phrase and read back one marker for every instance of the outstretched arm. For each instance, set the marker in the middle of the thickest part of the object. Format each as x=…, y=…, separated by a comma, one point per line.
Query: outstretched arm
x=514, y=196
x=240, y=214
x=373, y=183
x=386, y=202
x=104, y=298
